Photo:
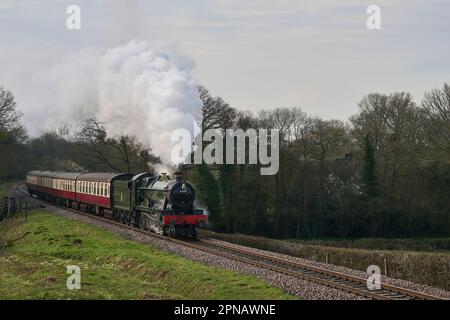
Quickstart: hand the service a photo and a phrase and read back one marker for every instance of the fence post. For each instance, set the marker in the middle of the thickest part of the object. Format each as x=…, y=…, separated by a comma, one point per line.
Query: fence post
x=5, y=206
x=385, y=267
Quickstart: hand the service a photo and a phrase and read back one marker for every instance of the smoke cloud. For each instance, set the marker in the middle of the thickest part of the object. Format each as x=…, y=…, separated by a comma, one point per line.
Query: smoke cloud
x=146, y=94
x=133, y=89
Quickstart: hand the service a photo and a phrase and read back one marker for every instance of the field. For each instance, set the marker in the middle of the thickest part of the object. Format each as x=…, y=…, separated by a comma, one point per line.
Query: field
x=34, y=255
x=419, y=260
x=419, y=244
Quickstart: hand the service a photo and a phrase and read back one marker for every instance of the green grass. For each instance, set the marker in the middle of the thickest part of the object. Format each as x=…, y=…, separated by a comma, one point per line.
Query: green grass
x=35, y=254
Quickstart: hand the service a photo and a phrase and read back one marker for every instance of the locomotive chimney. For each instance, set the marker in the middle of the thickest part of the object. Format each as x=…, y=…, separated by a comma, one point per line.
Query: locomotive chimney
x=178, y=176
x=163, y=176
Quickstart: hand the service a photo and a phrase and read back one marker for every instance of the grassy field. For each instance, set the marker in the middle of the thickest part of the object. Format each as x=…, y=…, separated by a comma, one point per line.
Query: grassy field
x=419, y=244
x=34, y=255
x=425, y=267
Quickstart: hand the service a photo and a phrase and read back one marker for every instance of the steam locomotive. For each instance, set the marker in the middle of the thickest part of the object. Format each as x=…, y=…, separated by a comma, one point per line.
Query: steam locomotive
x=155, y=203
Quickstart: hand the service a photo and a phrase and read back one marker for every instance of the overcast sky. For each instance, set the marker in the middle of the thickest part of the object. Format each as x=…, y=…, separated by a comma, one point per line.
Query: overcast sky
x=256, y=54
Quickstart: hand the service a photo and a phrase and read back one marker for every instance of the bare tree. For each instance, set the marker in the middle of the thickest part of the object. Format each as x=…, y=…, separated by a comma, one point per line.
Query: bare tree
x=217, y=114
x=436, y=109
x=121, y=154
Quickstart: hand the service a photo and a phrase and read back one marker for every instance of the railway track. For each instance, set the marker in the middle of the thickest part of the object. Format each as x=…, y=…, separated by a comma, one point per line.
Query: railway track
x=329, y=278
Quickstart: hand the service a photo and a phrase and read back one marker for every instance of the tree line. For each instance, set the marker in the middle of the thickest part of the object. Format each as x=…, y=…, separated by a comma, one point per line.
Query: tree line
x=383, y=173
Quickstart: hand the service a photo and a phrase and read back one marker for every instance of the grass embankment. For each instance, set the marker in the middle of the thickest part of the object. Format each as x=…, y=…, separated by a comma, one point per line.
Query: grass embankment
x=430, y=268
x=419, y=244
x=35, y=254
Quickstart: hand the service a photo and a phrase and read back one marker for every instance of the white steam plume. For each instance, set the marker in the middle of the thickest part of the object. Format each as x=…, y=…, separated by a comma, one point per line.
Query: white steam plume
x=147, y=95
x=133, y=89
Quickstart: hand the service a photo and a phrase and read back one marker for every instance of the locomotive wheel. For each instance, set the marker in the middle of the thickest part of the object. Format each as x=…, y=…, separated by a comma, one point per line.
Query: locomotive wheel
x=172, y=232
x=194, y=232
x=142, y=223
x=127, y=218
